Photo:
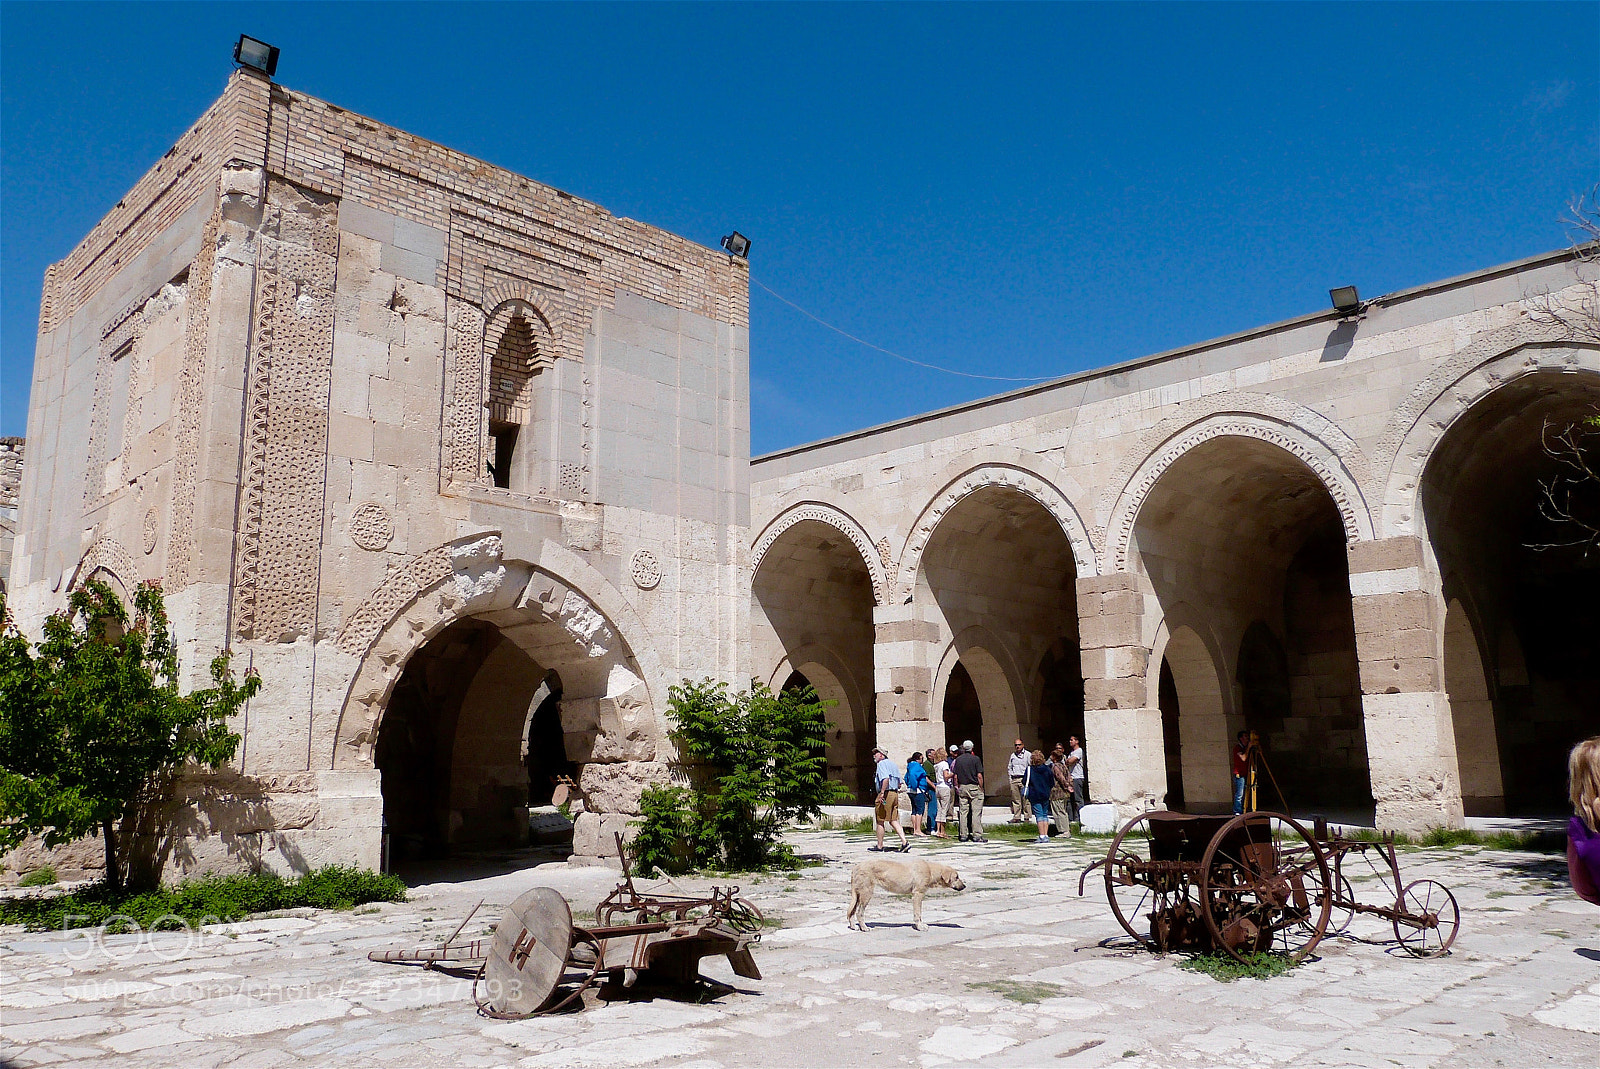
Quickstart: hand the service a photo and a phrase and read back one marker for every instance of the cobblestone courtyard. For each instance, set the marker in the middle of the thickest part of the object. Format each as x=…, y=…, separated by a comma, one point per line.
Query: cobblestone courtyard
x=1521, y=987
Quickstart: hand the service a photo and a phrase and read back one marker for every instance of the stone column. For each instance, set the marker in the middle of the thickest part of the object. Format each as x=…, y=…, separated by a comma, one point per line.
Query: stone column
x=1411, y=745
x=1127, y=763
x=905, y=643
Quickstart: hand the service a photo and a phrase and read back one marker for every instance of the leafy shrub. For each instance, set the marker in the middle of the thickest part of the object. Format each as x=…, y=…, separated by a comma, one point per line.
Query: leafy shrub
x=209, y=899
x=43, y=876
x=754, y=762
x=1224, y=968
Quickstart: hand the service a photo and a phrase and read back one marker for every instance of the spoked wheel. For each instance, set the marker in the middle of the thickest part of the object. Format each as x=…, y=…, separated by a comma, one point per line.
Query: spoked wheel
x=1261, y=893
x=1430, y=919
x=1135, y=894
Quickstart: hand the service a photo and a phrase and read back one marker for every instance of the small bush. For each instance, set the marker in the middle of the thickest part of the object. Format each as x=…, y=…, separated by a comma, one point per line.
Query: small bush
x=755, y=763
x=209, y=899
x=1226, y=969
x=43, y=876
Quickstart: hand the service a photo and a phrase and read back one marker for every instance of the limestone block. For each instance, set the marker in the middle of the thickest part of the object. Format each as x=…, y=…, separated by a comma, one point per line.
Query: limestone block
x=903, y=738
x=617, y=788
x=1412, y=761
x=1115, y=693
x=594, y=835
x=1099, y=818
x=1126, y=757
x=1393, y=675
x=1385, y=554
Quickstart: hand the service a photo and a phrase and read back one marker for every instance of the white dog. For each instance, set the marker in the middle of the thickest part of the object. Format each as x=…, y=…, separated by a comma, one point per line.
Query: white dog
x=912, y=878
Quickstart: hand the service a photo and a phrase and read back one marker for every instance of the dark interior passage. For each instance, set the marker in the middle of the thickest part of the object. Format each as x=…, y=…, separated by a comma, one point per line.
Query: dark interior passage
x=1526, y=584
x=963, y=716
x=451, y=746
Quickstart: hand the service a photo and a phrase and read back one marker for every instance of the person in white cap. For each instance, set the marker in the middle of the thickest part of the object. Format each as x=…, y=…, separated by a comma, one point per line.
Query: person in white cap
x=886, y=807
x=968, y=771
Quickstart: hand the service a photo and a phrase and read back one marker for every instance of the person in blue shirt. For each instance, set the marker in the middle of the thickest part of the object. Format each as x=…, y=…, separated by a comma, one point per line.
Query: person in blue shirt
x=920, y=790
x=1037, y=783
x=886, y=807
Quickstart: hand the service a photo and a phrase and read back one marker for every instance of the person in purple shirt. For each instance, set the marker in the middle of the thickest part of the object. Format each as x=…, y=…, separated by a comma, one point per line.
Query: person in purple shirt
x=1583, y=830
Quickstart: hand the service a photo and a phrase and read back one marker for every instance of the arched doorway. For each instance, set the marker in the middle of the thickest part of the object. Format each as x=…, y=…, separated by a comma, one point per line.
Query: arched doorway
x=451, y=748
x=999, y=580
x=1531, y=582
x=811, y=614
x=1246, y=529
x=448, y=686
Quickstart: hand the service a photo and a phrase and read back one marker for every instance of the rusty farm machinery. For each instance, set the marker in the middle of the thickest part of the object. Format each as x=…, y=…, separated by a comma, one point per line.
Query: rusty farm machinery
x=539, y=961
x=1259, y=882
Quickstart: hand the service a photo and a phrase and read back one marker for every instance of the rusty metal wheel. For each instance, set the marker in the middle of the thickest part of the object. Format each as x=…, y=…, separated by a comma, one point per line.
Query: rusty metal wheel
x=1429, y=919
x=1133, y=898
x=1265, y=889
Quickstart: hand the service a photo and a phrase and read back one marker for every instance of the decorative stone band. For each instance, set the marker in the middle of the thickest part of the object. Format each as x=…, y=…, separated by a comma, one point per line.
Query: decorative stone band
x=1422, y=419
x=1053, y=500
x=877, y=566
x=606, y=708
x=111, y=555
x=1318, y=456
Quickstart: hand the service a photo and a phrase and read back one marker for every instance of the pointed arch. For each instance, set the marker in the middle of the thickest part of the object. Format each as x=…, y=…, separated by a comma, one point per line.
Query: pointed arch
x=971, y=478
x=1323, y=460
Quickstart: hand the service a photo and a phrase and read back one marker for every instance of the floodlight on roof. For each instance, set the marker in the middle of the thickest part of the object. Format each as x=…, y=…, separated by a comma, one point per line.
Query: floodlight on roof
x=257, y=55
x=1345, y=299
x=737, y=244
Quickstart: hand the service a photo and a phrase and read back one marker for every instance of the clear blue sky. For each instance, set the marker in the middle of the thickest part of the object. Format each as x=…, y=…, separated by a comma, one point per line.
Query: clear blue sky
x=1006, y=190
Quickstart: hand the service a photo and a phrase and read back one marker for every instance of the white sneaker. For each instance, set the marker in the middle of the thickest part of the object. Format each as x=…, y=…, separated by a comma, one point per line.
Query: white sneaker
x=1042, y=839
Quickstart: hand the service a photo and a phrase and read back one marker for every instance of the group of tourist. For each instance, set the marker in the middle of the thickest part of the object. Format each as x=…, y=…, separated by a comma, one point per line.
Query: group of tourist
x=945, y=786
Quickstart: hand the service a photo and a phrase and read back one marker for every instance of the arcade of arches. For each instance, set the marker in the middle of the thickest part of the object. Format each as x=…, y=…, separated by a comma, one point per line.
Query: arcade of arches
x=1402, y=680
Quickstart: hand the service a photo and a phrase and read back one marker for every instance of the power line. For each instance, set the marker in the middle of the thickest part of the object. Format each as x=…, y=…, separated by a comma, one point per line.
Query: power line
x=890, y=352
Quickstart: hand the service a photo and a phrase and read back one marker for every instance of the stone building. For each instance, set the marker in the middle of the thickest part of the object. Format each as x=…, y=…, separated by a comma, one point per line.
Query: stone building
x=1319, y=530
x=459, y=464
x=456, y=461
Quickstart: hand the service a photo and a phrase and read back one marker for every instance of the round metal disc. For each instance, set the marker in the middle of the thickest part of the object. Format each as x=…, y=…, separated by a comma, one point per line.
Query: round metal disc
x=529, y=952
x=559, y=796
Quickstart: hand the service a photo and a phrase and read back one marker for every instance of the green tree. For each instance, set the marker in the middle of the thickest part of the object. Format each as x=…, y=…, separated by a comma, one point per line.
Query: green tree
x=754, y=761
x=91, y=720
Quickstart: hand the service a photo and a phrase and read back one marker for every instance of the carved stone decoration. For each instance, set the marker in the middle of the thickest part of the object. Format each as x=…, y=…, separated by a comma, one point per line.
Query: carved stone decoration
x=288, y=376
x=646, y=570
x=1422, y=419
x=840, y=522
x=886, y=556
x=111, y=555
x=189, y=406
x=152, y=527
x=1317, y=455
x=1026, y=482
x=370, y=526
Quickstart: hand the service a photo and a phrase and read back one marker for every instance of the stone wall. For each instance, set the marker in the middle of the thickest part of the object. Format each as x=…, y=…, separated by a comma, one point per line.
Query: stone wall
x=11, y=450
x=278, y=379
x=1266, y=483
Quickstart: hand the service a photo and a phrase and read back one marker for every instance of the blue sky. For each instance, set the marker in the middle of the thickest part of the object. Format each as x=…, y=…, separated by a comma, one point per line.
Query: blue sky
x=1003, y=190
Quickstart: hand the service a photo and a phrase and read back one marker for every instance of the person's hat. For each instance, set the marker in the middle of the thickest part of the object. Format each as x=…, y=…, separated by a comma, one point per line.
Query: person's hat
x=880, y=749
x=967, y=745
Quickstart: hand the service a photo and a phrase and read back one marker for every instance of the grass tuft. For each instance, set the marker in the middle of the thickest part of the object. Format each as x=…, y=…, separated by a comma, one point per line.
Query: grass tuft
x=208, y=900
x=42, y=876
x=1025, y=992
x=1225, y=969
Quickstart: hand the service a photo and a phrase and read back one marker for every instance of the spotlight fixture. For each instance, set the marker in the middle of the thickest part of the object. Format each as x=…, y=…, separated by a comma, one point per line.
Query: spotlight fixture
x=737, y=245
x=257, y=55
x=1345, y=299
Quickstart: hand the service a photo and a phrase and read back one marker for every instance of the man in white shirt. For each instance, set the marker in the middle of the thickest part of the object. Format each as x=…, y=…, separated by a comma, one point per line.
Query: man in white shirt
x=886, y=807
x=1016, y=769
